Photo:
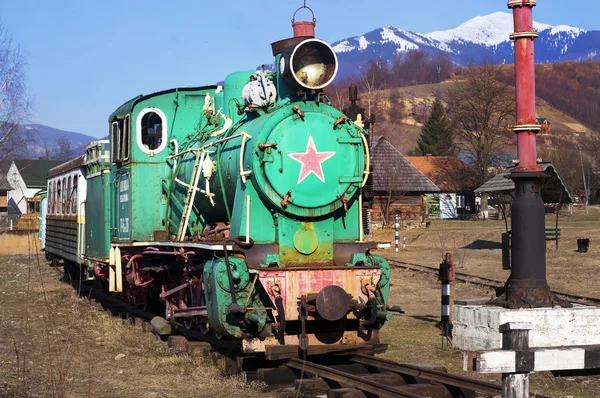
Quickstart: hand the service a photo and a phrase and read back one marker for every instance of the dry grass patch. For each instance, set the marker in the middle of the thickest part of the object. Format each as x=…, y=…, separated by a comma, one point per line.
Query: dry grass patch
x=415, y=336
x=54, y=344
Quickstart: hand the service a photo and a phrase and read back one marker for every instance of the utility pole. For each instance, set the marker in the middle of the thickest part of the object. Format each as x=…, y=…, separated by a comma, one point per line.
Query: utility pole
x=585, y=191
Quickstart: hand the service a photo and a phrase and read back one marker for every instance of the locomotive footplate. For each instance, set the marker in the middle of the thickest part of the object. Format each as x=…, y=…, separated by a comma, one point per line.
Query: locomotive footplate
x=318, y=343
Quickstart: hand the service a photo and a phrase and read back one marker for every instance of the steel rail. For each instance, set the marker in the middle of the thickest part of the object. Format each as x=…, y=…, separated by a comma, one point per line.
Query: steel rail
x=493, y=283
x=348, y=379
x=434, y=375
x=429, y=374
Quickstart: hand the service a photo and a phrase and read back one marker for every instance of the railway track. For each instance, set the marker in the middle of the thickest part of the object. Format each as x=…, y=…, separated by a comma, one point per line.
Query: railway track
x=337, y=375
x=488, y=282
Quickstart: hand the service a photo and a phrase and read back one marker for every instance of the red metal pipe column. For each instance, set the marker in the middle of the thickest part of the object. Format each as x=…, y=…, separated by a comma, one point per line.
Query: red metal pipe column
x=527, y=286
x=526, y=127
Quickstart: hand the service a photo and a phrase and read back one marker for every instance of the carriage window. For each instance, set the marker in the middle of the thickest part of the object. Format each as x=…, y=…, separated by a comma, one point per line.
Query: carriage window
x=63, y=197
x=53, y=197
x=114, y=139
x=58, y=192
x=74, y=195
x=69, y=193
x=49, y=197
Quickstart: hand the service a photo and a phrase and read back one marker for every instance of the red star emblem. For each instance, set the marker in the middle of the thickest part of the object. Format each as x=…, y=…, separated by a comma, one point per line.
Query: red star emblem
x=311, y=161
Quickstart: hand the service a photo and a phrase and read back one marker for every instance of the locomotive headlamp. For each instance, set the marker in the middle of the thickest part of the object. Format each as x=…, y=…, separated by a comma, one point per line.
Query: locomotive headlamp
x=311, y=64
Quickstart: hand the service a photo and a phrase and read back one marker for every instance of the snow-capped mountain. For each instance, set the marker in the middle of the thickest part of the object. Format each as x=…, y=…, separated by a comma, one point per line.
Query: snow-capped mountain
x=482, y=36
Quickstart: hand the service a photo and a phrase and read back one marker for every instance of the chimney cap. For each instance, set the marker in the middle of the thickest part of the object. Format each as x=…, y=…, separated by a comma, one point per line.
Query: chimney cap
x=304, y=28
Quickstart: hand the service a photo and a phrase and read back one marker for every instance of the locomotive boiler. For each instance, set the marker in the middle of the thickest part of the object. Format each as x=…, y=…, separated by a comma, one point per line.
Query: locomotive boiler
x=239, y=207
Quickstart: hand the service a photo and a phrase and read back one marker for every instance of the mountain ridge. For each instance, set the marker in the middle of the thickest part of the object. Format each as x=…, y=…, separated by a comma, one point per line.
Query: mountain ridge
x=477, y=38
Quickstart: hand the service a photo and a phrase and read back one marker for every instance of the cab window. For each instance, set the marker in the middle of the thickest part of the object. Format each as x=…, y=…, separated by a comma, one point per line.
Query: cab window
x=151, y=126
x=114, y=139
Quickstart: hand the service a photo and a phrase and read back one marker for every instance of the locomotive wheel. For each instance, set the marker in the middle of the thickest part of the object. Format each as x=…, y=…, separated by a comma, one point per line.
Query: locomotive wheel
x=190, y=301
x=203, y=326
x=194, y=297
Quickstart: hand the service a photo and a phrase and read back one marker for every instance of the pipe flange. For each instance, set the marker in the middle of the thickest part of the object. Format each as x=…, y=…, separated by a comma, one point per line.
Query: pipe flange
x=526, y=127
x=524, y=35
x=521, y=3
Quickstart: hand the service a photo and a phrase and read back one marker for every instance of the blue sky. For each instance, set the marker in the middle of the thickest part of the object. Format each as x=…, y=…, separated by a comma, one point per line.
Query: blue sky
x=86, y=57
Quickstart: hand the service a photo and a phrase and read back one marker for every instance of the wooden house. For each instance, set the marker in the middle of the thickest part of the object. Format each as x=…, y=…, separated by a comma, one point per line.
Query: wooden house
x=455, y=180
x=27, y=178
x=397, y=185
x=501, y=189
x=544, y=125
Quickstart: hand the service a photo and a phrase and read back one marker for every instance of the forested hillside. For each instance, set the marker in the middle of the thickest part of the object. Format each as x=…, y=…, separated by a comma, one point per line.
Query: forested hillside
x=572, y=87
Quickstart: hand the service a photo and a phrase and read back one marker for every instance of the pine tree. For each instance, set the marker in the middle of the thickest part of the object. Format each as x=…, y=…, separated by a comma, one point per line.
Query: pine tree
x=436, y=136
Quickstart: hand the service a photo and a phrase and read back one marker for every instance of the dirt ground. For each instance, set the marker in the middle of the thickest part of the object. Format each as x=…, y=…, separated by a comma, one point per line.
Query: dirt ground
x=475, y=246
x=54, y=344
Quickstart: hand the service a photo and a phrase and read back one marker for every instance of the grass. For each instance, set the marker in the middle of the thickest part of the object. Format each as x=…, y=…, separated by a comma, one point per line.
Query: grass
x=414, y=337
x=54, y=344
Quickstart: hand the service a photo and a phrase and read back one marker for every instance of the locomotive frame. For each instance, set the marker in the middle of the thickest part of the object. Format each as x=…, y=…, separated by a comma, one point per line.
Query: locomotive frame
x=238, y=207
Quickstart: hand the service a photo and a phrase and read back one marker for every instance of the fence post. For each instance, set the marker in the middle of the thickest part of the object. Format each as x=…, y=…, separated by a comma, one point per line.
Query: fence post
x=446, y=275
x=397, y=228
x=515, y=336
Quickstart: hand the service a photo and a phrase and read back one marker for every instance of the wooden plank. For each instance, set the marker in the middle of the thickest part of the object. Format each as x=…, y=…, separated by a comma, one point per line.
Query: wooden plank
x=276, y=352
x=544, y=359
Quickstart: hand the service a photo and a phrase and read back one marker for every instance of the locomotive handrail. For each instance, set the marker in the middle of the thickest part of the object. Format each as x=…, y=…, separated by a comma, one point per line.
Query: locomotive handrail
x=177, y=180
x=244, y=173
x=212, y=144
x=368, y=159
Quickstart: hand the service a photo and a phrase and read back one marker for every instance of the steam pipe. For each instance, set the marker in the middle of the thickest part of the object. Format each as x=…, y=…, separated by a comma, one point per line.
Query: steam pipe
x=527, y=286
x=526, y=127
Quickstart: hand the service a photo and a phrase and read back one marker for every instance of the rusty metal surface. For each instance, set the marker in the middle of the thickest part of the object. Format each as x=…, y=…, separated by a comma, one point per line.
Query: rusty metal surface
x=430, y=374
x=348, y=339
x=332, y=303
x=295, y=282
x=348, y=379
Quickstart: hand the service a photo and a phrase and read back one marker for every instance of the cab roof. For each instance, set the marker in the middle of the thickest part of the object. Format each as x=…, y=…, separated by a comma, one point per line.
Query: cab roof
x=128, y=106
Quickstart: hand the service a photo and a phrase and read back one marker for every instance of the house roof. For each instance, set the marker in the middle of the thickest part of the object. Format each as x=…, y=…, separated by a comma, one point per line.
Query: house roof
x=66, y=166
x=542, y=120
x=4, y=166
x=393, y=172
x=553, y=188
x=34, y=172
x=4, y=184
x=449, y=173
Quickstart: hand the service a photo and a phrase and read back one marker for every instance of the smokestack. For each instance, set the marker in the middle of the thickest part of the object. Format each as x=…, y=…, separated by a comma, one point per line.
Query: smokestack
x=304, y=28
x=527, y=286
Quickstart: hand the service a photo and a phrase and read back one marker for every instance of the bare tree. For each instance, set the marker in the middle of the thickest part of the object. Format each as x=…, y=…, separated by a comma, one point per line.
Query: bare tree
x=14, y=101
x=65, y=150
x=481, y=109
x=373, y=80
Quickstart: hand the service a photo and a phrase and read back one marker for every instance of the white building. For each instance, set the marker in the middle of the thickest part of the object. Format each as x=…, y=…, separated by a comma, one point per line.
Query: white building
x=27, y=178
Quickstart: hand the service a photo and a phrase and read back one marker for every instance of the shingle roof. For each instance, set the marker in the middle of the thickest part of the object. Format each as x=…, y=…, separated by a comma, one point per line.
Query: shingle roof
x=449, y=173
x=4, y=184
x=34, y=172
x=393, y=172
x=4, y=166
x=542, y=120
x=553, y=188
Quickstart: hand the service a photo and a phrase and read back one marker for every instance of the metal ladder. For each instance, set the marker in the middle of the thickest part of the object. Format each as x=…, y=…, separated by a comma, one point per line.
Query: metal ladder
x=190, y=196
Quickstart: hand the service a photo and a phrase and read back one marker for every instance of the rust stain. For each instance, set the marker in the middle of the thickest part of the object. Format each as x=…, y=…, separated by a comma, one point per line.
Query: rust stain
x=295, y=283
